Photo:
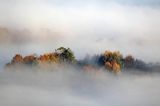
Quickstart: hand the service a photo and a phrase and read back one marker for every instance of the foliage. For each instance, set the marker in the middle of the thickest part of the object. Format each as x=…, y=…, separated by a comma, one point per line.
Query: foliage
x=60, y=55
x=66, y=55
x=29, y=59
x=49, y=58
x=17, y=59
x=112, y=61
x=129, y=61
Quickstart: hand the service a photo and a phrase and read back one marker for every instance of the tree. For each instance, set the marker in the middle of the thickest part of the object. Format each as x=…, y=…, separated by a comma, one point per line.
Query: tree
x=66, y=55
x=129, y=61
x=30, y=60
x=49, y=58
x=111, y=60
x=17, y=59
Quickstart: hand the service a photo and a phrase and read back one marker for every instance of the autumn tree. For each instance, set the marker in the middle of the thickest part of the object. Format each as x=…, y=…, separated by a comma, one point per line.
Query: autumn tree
x=30, y=60
x=17, y=59
x=111, y=61
x=49, y=58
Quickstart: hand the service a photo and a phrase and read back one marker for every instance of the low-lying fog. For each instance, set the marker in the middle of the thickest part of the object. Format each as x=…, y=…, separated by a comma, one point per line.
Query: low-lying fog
x=70, y=87
x=87, y=27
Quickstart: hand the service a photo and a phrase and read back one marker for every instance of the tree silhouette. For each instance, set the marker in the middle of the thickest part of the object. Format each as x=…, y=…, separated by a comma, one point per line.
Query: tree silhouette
x=129, y=61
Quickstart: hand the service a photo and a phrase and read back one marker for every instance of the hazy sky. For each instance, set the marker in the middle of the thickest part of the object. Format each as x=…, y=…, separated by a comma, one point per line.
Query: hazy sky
x=86, y=26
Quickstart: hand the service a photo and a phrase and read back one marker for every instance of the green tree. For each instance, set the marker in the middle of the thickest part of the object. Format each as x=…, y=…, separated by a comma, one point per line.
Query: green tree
x=66, y=55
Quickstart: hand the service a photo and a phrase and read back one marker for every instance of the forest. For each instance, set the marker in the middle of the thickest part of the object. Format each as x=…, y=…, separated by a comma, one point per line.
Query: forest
x=111, y=61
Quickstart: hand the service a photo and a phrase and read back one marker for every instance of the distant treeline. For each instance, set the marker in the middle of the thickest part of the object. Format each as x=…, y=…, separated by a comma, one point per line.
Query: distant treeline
x=110, y=61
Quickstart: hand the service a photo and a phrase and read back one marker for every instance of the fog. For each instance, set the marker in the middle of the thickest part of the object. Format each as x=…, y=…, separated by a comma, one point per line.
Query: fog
x=87, y=27
x=70, y=87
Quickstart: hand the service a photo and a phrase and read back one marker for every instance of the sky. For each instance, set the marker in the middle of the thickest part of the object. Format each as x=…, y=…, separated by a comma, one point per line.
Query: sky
x=86, y=26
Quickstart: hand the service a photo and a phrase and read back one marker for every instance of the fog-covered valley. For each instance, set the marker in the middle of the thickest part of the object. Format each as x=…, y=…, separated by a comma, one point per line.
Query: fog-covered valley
x=70, y=87
x=89, y=28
